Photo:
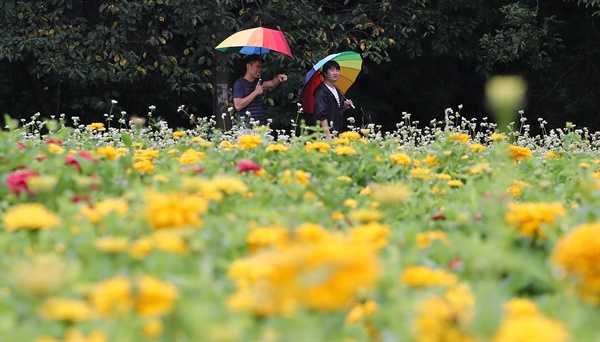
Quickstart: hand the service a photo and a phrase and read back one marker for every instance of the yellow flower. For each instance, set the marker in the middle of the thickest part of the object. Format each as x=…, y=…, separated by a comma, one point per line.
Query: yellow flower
x=112, y=244
x=497, y=136
x=578, y=253
x=42, y=184
x=529, y=217
x=350, y=203
x=41, y=276
x=30, y=216
x=229, y=185
x=155, y=297
x=423, y=276
x=191, y=156
x=144, y=166
x=515, y=189
x=170, y=242
x=551, y=154
x=113, y=297
x=390, y=194
x=476, y=147
x=344, y=150
x=518, y=153
x=522, y=321
x=444, y=318
x=108, y=151
x=67, y=310
x=400, y=159
x=141, y=247
x=153, y=328
x=419, y=173
x=373, y=233
x=310, y=232
x=336, y=215
x=103, y=208
x=145, y=155
x=276, y=148
x=350, y=135
x=366, y=215
x=249, y=141
x=431, y=161
x=263, y=237
x=459, y=137
x=55, y=149
x=227, y=145
x=178, y=134
x=425, y=239
x=326, y=275
x=344, y=179
x=319, y=146
x=174, y=210
x=454, y=183
x=361, y=311
x=97, y=126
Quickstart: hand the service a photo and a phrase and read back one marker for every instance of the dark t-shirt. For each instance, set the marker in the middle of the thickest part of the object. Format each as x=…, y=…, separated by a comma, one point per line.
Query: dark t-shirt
x=243, y=88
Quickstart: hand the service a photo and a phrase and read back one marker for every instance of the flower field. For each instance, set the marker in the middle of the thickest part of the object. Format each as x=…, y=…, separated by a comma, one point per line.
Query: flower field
x=454, y=232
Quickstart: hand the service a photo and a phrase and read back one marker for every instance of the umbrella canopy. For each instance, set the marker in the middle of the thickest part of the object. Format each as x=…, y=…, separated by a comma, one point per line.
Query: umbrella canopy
x=254, y=41
x=350, y=64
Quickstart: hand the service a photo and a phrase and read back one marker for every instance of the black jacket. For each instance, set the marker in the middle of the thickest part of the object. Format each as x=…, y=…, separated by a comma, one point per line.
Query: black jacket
x=326, y=107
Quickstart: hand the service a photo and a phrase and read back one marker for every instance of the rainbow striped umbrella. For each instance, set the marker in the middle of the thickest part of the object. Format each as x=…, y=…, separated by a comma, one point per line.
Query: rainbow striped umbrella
x=350, y=65
x=256, y=41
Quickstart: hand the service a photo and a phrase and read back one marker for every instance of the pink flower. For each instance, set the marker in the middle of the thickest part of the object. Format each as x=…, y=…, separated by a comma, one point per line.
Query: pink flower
x=247, y=165
x=455, y=264
x=21, y=144
x=71, y=160
x=54, y=141
x=17, y=181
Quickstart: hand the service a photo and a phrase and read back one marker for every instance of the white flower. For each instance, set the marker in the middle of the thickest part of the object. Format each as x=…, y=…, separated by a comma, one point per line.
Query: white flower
x=114, y=101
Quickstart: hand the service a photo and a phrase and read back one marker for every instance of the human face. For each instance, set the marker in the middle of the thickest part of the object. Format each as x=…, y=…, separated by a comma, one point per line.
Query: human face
x=253, y=69
x=332, y=74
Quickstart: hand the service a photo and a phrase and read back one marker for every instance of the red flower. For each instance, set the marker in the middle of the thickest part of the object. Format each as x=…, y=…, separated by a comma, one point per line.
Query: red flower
x=17, y=181
x=196, y=169
x=455, y=264
x=439, y=216
x=246, y=166
x=52, y=141
x=21, y=144
x=71, y=160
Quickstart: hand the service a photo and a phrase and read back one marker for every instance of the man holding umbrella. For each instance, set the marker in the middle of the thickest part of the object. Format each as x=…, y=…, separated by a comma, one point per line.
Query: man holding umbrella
x=330, y=104
x=248, y=90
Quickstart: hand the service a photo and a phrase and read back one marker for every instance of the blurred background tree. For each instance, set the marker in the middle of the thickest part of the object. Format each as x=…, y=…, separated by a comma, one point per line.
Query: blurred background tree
x=75, y=56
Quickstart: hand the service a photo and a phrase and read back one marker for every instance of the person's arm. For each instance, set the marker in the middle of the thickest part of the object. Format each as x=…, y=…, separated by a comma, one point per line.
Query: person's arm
x=239, y=102
x=277, y=80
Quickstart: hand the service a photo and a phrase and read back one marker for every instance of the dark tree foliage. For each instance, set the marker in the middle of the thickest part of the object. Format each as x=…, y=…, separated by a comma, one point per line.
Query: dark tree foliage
x=420, y=56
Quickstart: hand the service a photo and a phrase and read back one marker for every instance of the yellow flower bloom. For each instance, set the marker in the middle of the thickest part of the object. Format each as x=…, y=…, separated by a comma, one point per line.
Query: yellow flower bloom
x=229, y=185
x=373, y=233
x=529, y=217
x=155, y=297
x=55, y=149
x=344, y=179
x=520, y=308
x=319, y=146
x=107, y=151
x=400, y=159
x=423, y=276
x=578, y=253
x=141, y=247
x=389, y=194
x=419, y=173
x=263, y=237
x=144, y=166
x=112, y=244
x=310, y=232
x=41, y=276
x=454, y=183
x=425, y=239
x=459, y=137
x=518, y=153
x=191, y=156
x=350, y=203
x=113, y=297
x=249, y=141
x=30, y=216
x=179, y=134
x=497, y=136
x=431, y=161
x=95, y=213
x=523, y=322
x=97, y=126
x=476, y=147
x=366, y=215
x=551, y=154
x=350, y=135
x=344, y=150
x=66, y=310
x=170, y=242
x=174, y=210
x=276, y=148
x=515, y=189
x=227, y=145
x=153, y=328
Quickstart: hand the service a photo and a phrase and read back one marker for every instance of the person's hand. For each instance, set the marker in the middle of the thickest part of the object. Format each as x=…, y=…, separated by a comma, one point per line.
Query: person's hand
x=259, y=89
x=282, y=78
x=348, y=104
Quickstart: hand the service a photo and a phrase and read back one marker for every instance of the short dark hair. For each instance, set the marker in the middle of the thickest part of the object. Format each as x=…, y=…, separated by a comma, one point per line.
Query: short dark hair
x=330, y=64
x=251, y=59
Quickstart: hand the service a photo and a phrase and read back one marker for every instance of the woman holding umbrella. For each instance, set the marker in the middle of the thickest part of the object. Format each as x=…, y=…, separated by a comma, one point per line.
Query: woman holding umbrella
x=248, y=90
x=330, y=104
